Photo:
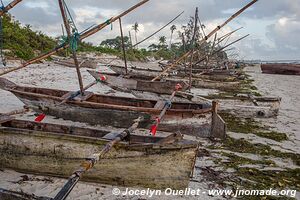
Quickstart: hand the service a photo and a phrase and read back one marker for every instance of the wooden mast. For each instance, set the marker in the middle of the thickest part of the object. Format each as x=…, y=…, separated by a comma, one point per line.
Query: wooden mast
x=123, y=45
x=206, y=38
x=193, y=48
x=82, y=37
x=68, y=30
x=9, y=6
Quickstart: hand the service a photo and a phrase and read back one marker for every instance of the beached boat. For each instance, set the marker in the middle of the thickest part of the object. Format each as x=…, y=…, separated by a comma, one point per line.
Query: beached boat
x=216, y=81
x=281, y=68
x=260, y=107
x=122, y=82
x=58, y=150
x=197, y=119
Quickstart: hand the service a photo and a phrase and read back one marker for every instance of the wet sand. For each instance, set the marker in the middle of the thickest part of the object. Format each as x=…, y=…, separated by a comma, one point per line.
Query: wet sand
x=206, y=170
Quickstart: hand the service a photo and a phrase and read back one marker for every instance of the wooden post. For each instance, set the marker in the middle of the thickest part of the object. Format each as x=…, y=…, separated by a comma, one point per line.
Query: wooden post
x=193, y=48
x=123, y=46
x=184, y=49
x=67, y=26
x=218, y=126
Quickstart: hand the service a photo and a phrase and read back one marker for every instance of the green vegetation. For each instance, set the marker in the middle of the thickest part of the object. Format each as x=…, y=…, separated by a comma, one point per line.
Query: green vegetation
x=244, y=146
x=239, y=125
x=22, y=41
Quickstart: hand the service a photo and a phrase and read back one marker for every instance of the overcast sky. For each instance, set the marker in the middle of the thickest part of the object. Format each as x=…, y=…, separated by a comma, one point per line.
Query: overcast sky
x=274, y=25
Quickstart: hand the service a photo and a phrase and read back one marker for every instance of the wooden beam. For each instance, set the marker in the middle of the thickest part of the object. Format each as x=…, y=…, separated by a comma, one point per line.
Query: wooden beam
x=9, y=6
x=82, y=37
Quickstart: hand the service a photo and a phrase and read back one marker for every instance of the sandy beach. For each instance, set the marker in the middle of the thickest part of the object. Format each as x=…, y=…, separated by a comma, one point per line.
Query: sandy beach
x=207, y=173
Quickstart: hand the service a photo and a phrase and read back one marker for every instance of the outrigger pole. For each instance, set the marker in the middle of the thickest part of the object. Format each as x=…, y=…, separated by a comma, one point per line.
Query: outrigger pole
x=205, y=39
x=71, y=37
x=91, y=161
x=81, y=37
x=9, y=6
x=159, y=29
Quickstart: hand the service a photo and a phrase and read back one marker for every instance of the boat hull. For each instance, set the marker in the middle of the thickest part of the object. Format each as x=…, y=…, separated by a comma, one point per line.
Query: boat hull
x=185, y=122
x=281, y=68
x=211, y=81
x=59, y=154
x=160, y=87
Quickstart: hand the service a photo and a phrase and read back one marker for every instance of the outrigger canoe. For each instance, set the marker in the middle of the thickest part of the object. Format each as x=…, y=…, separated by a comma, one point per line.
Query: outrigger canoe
x=196, y=119
x=281, y=68
x=215, y=81
x=127, y=83
x=57, y=150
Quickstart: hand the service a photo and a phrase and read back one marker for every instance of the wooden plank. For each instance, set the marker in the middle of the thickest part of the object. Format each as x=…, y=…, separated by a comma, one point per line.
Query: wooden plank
x=5, y=118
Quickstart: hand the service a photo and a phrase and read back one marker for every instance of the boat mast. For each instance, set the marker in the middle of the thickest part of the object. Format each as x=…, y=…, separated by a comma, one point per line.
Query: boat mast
x=193, y=48
x=123, y=45
x=9, y=6
x=205, y=39
x=70, y=34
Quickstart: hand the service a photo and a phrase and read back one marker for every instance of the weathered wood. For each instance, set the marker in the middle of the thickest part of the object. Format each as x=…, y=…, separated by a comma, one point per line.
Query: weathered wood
x=281, y=68
x=122, y=82
x=218, y=128
x=5, y=118
x=92, y=160
x=123, y=45
x=210, y=81
x=13, y=195
x=68, y=29
x=117, y=111
x=50, y=149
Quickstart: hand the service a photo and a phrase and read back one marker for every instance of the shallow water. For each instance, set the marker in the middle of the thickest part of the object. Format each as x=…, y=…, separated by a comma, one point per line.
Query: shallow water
x=288, y=88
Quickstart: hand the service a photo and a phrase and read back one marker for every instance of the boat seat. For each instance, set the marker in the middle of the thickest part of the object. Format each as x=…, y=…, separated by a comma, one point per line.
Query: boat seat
x=86, y=96
x=110, y=136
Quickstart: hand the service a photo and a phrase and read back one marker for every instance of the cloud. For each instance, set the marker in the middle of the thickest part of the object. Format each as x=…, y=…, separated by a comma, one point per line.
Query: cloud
x=274, y=25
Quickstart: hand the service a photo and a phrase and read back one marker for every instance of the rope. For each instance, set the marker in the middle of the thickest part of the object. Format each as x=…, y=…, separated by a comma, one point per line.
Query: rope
x=74, y=39
x=2, y=7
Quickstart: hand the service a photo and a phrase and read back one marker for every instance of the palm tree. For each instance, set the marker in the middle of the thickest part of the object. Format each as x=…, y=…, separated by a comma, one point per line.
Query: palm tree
x=172, y=28
x=135, y=27
x=162, y=41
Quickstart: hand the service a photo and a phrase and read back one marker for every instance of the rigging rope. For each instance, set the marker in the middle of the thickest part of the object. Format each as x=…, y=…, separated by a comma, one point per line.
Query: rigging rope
x=2, y=7
x=74, y=39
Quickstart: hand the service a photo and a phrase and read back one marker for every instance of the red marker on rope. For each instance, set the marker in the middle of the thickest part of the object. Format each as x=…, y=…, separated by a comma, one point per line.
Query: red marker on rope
x=40, y=117
x=167, y=106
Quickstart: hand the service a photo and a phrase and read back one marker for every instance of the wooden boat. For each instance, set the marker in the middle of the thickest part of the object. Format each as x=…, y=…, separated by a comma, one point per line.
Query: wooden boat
x=83, y=63
x=243, y=106
x=281, y=68
x=58, y=150
x=14, y=195
x=160, y=87
x=216, y=81
x=197, y=119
